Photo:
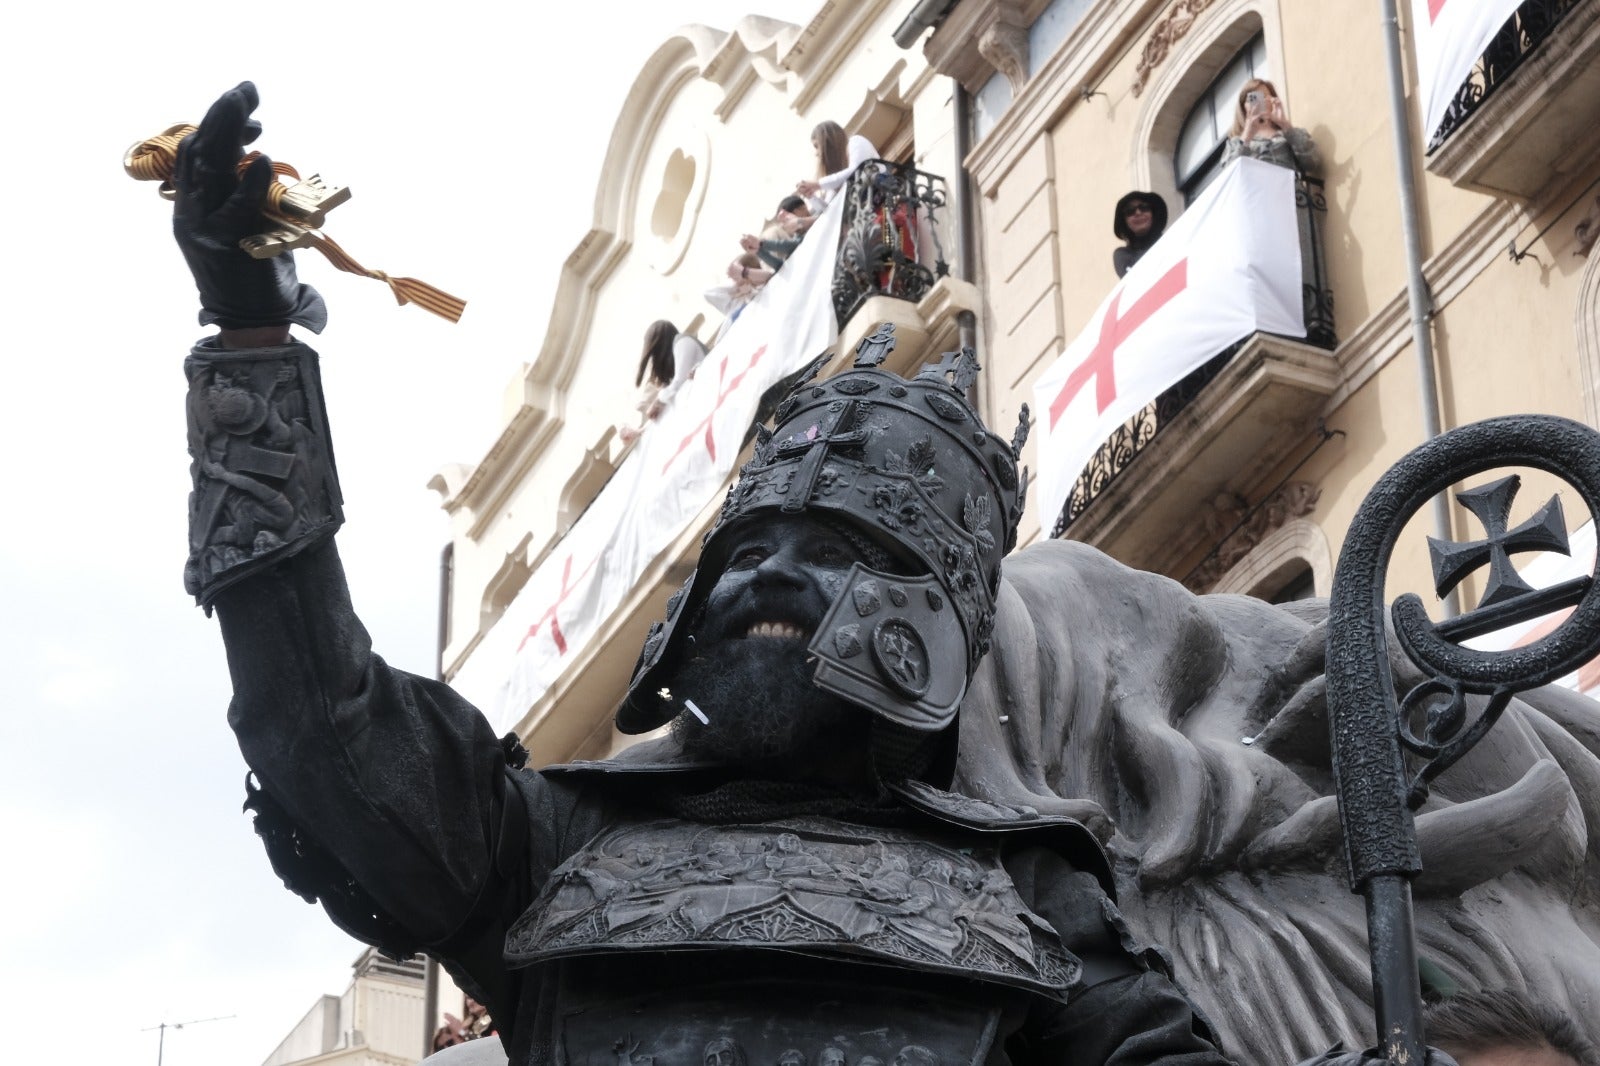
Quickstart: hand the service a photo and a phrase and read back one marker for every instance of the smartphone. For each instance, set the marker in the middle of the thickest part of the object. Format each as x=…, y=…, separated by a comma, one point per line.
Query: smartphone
x=1252, y=100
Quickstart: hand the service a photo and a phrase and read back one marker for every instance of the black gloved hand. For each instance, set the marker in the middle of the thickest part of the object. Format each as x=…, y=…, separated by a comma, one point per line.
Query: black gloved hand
x=216, y=208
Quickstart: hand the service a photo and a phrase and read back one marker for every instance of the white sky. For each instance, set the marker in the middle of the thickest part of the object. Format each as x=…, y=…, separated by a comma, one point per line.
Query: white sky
x=134, y=891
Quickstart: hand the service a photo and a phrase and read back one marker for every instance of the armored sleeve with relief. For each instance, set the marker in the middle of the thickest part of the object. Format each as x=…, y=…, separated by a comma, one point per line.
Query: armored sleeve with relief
x=262, y=462
x=383, y=795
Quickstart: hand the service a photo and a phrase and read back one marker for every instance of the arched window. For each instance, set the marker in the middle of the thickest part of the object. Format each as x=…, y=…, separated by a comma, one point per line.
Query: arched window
x=1205, y=128
x=1290, y=563
x=1297, y=585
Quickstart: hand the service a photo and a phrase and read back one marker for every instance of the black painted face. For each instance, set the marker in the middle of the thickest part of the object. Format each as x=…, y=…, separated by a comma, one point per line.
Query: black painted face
x=748, y=669
x=780, y=579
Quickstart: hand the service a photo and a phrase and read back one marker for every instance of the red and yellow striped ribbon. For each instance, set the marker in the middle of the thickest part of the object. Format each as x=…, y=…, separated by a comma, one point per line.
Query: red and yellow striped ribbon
x=156, y=158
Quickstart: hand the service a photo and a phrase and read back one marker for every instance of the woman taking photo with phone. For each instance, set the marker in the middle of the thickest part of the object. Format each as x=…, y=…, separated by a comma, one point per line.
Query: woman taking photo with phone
x=1261, y=130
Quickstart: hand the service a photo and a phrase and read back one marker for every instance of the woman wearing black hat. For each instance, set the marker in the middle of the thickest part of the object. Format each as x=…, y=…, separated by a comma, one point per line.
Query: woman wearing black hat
x=1140, y=220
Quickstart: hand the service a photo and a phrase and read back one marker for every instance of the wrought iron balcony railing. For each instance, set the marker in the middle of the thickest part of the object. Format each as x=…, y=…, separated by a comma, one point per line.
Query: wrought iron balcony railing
x=1136, y=434
x=1523, y=32
x=1316, y=294
x=892, y=242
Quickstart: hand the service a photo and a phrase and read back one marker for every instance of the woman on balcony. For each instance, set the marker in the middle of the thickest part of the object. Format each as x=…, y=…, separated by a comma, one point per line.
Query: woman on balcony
x=1261, y=130
x=838, y=156
x=1139, y=221
x=669, y=360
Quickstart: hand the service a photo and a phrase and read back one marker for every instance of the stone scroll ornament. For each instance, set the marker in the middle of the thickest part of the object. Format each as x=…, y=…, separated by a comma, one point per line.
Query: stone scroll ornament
x=1386, y=750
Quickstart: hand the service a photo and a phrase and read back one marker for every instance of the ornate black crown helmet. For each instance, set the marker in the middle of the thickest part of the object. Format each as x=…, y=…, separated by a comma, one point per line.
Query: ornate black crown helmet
x=909, y=464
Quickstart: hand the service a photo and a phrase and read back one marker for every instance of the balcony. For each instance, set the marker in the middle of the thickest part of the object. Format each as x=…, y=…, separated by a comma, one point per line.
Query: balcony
x=562, y=621
x=1527, y=113
x=1226, y=435
x=1224, y=427
x=892, y=241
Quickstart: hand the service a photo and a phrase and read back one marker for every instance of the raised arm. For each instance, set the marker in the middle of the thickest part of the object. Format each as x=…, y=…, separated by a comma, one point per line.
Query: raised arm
x=382, y=794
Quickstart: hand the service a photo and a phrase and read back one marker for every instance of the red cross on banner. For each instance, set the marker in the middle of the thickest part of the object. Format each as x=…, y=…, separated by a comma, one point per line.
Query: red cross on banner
x=725, y=388
x=1115, y=328
x=568, y=583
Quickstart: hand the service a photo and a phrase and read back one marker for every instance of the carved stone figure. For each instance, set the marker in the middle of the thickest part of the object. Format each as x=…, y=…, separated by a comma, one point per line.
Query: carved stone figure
x=785, y=871
x=869, y=843
x=1201, y=746
x=724, y=1051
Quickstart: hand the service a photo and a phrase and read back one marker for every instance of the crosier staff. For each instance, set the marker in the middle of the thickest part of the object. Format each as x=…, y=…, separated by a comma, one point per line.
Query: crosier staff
x=1371, y=731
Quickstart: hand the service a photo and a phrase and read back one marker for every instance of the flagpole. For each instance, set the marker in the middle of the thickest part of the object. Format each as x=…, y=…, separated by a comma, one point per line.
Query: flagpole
x=1420, y=299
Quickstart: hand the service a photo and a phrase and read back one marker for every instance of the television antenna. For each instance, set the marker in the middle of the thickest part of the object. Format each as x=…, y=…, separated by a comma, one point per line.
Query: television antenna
x=161, y=1043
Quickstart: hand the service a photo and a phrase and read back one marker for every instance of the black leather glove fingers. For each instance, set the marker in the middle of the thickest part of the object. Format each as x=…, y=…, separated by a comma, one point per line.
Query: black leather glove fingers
x=215, y=209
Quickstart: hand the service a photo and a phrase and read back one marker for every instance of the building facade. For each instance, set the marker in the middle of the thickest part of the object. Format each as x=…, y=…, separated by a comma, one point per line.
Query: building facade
x=378, y=1021
x=1015, y=127
x=1026, y=121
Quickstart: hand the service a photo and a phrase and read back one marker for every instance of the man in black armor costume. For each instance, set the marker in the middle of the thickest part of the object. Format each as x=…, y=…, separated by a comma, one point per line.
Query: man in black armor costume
x=784, y=877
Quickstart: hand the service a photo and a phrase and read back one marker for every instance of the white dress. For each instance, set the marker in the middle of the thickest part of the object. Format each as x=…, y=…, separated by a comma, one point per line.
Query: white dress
x=858, y=150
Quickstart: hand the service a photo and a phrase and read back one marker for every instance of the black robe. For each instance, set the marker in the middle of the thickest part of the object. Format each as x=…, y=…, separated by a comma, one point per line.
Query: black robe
x=389, y=797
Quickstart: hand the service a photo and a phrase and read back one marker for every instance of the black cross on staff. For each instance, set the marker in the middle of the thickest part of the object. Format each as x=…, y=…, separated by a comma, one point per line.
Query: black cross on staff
x=957, y=368
x=815, y=448
x=1545, y=531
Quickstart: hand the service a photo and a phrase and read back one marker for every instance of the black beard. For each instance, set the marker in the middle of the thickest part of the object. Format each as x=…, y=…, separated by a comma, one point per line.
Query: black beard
x=766, y=714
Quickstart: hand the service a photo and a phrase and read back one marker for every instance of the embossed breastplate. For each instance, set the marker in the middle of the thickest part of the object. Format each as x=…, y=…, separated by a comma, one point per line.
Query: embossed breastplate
x=823, y=888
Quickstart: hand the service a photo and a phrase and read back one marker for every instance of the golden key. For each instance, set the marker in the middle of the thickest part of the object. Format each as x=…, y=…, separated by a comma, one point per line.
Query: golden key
x=294, y=211
x=293, y=215
x=281, y=238
x=304, y=204
x=308, y=202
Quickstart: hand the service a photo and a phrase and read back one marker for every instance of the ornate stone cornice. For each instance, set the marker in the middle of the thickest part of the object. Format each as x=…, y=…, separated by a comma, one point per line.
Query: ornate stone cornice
x=1226, y=510
x=979, y=37
x=1005, y=44
x=1168, y=31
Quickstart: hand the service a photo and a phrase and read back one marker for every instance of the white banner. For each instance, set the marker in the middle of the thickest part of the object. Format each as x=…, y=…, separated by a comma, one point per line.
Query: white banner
x=680, y=461
x=1449, y=36
x=1229, y=267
